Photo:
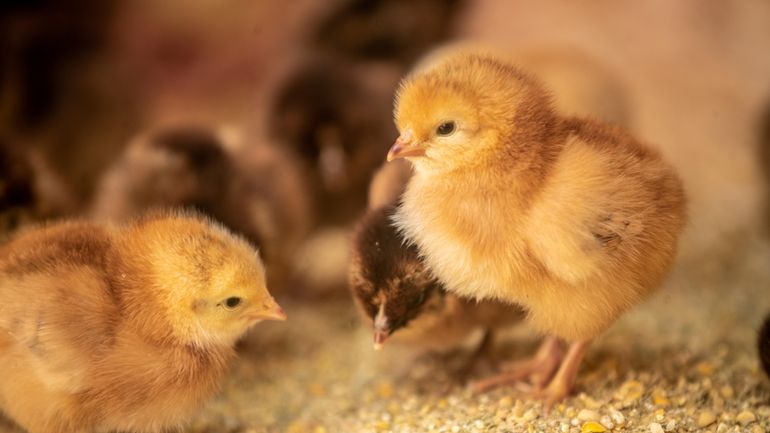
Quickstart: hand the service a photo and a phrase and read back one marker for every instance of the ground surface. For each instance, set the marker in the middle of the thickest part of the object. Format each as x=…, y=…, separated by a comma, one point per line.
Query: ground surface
x=684, y=361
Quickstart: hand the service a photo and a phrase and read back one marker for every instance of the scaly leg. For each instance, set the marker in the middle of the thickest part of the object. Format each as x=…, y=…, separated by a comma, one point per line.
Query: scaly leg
x=539, y=368
x=564, y=381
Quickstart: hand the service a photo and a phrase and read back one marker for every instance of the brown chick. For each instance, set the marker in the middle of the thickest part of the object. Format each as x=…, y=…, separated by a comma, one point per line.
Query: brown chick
x=29, y=190
x=254, y=190
x=330, y=117
x=395, y=290
x=393, y=30
x=123, y=328
x=571, y=219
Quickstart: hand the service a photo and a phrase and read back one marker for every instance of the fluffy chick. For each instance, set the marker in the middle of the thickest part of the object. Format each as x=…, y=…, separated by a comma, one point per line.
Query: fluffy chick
x=123, y=328
x=254, y=190
x=571, y=219
x=395, y=290
x=763, y=345
x=17, y=191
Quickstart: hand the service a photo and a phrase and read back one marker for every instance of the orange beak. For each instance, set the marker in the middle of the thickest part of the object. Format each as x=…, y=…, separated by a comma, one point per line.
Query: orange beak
x=404, y=146
x=270, y=310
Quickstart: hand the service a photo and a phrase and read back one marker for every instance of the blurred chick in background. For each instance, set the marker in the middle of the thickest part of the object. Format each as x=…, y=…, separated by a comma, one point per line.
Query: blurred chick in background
x=573, y=220
x=331, y=118
x=126, y=328
x=396, y=291
x=29, y=190
x=252, y=189
x=50, y=56
x=392, y=30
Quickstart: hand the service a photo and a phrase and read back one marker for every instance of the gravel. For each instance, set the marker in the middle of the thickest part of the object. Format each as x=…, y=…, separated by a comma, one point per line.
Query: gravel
x=683, y=362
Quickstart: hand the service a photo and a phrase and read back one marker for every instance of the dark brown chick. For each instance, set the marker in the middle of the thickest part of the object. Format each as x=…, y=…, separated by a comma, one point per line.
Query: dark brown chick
x=388, y=280
x=29, y=190
x=254, y=190
x=394, y=30
x=332, y=118
x=395, y=290
x=17, y=186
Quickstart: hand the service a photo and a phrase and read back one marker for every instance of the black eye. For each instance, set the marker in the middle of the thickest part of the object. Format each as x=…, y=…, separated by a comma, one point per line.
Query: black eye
x=445, y=128
x=232, y=302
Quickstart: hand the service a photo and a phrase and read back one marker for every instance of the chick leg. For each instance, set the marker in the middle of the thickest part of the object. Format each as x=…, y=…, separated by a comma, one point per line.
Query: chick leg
x=539, y=368
x=564, y=381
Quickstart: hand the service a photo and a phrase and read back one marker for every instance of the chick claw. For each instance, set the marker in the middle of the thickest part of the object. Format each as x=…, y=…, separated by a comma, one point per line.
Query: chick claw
x=539, y=369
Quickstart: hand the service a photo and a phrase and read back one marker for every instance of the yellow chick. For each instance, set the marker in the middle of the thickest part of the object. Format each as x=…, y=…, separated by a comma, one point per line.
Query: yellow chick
x=573, y=220
x=124, y=328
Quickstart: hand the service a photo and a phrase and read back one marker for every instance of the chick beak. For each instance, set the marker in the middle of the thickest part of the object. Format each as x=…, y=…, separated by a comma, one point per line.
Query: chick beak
x=269, y=310
x=380, y=336
x=381, y=330
x=404, y=146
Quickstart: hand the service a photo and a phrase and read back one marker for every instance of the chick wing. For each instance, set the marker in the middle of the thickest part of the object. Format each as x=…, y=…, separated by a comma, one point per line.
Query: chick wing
x=56, y=315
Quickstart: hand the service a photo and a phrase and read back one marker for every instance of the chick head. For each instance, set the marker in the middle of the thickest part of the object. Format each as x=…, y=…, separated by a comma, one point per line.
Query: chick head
x=209, y=283
x=467, y=108
x=387, y=278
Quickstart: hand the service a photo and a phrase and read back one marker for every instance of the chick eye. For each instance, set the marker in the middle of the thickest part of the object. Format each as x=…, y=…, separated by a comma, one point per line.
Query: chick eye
x=445, y=128
x=232, y=302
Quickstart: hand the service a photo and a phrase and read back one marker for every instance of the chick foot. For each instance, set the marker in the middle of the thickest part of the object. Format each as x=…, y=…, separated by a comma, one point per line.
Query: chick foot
x=563, y=382
x=539, y=369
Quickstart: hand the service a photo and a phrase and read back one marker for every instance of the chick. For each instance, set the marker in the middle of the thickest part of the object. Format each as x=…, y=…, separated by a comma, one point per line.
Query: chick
x=395, y=290
x=123, y=328
x=17, y=191
x=763, y=345
x=333, y=120
x=394, y=30
x=29, y=189
x=571, y=219
x=254, y=190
